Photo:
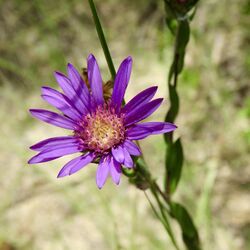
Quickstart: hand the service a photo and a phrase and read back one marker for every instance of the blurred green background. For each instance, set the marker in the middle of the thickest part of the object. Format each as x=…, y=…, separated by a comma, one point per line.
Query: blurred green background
x=38, y=211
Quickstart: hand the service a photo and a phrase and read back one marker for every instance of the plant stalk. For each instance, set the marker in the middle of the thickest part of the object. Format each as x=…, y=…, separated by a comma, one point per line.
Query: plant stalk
x=102, y=39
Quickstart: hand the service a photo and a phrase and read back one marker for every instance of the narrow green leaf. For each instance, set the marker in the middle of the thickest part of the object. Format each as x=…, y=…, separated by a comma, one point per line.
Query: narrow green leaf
x=189, y=232
x=174, y=162
x=174, y=108
x=192, y=14
x=164, y=217
x=191, y=4
x=182, y=36
x=172, y=25
x=182, y=39
x=180, y=62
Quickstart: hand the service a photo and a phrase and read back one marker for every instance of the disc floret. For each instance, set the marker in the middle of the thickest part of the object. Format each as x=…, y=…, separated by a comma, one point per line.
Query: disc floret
x=102, y=129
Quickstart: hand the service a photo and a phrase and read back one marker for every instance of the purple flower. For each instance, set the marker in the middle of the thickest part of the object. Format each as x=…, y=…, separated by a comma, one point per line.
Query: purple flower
x=103, y=131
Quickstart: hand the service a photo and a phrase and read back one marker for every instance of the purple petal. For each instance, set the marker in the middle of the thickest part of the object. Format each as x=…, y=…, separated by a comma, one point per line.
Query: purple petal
x=53, y=118
x=143, y=130
x=76, y=164
x=158, y=127
x=142, y=112
x=79, y=85
x=95, y=80
x=63, y=106
x=128, y=162
x=55, y=141
x=51, y=92
x=67, y=167
x=102, y=171
x=136, y=133
x=132, y=148
x=118, y=154
x=65, y=84
x=121, y=82
x=115, y=171
x=70, y=92
x=54, y=94
x=54, y=153
x=140, y=99
x=86, y=159
x=47, y=91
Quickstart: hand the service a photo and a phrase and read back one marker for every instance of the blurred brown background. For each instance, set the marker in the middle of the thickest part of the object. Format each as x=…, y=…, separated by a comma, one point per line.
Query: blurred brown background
x=38, y=211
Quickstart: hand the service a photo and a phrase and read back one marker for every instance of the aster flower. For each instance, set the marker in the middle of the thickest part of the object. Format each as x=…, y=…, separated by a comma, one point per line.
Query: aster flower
x=103, y=131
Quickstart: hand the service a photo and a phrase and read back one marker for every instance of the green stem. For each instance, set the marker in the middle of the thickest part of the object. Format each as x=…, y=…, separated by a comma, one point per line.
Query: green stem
x=155, y=211
x=166, y=225
x=164, y=217
x=155, y=190
x=102, y=39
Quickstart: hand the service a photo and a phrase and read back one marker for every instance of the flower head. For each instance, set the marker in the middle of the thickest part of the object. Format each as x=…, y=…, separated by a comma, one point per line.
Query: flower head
x=103, y=130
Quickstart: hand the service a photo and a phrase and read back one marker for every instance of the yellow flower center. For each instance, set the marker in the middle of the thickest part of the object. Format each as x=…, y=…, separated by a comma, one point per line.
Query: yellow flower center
x=102, y=130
